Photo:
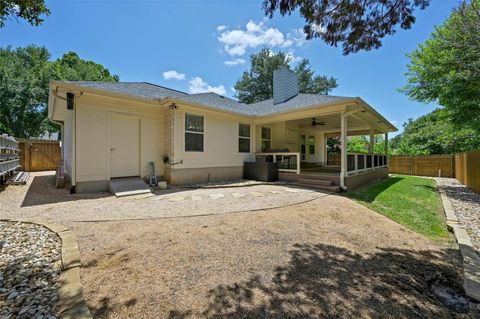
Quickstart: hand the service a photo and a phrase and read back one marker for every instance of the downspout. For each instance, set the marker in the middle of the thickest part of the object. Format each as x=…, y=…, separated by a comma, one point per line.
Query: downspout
x=62, y=156
x=74, y=144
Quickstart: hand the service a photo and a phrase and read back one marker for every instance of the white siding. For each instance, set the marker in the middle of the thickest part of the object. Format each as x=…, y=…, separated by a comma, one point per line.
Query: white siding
x=220, y=140
x=93, y=135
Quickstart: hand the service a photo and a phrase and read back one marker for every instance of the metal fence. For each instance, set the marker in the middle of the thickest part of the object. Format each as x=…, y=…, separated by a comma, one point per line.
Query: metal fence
x=9, y=152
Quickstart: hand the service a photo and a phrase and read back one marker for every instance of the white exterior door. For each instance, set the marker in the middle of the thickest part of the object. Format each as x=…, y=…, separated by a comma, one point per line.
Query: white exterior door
x=124, y=145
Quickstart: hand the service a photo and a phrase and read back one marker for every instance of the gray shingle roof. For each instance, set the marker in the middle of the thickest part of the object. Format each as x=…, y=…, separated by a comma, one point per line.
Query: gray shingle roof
x=154, y=92
x=144, y=90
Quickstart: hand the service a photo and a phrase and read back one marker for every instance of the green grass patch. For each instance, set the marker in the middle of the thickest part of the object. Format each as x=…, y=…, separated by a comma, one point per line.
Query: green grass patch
x=411, y=201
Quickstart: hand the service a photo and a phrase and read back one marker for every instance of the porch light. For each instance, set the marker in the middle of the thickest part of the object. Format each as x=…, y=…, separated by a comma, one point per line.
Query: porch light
x=70, y=101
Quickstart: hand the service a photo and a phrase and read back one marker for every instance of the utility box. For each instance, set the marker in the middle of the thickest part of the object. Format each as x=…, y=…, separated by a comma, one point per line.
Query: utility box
x=261, y=171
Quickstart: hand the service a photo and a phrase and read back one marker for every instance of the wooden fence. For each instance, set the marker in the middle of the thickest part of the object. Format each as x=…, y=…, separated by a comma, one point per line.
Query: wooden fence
x=467, y=169
x=39, y=155
x=423, y=165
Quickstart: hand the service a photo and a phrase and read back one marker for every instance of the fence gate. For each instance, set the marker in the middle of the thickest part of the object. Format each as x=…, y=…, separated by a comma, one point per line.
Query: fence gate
x=39, y=155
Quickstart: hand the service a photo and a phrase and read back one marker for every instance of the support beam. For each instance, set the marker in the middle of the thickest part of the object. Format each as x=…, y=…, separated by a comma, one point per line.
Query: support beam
x=343, y=145
x=371, y=149
x=386, y=143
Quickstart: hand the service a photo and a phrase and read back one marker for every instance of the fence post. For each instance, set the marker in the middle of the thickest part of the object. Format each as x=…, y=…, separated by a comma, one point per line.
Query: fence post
x=411, y=164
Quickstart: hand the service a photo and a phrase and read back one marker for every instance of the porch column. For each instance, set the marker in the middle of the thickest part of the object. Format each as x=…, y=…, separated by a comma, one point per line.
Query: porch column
x=386, y=148
x=343, y=149
x=386, y=143
x=371, y=149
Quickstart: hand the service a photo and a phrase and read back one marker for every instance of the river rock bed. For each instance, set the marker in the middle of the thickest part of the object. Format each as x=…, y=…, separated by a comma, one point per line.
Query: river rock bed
x=466, y=204
x=30, y=263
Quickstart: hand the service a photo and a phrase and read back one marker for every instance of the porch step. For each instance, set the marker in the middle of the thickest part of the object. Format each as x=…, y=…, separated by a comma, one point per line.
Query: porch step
x=316, y=181
x=128, y=186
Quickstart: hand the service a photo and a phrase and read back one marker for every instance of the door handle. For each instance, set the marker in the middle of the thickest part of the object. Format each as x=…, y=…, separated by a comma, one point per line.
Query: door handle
x=112, y=149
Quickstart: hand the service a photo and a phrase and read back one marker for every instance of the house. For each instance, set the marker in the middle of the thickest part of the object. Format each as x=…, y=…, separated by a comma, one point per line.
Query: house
x=112, y=130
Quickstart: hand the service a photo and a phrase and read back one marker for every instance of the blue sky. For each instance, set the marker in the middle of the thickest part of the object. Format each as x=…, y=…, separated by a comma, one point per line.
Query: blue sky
x=205, y=43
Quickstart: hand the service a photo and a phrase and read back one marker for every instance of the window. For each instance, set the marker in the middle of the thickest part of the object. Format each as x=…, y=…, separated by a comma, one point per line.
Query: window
x=244, y=138
x=193, y=133
x=266, y=139
x=311, y=145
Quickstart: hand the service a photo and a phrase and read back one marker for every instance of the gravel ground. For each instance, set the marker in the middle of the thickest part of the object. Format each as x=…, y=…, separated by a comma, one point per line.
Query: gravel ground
x=38, y=199
x=322, y=256
x=466, y=204
x=30, y=264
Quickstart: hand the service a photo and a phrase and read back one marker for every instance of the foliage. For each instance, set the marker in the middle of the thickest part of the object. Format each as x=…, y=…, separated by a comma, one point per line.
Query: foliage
x=70, y=67
x=256, y=84
x=356, y=24
x=361, y=144
x=434, y=133
x=30, y=10
x=446, y=69
x=25, y=75
x=410, y=201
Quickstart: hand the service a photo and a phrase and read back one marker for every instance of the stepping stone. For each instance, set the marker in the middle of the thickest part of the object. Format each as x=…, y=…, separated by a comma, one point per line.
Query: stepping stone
x=238, y=195
x=257, y=194
x=216, y=196
x=176, y=198
x=196, y=197
x=293, y=190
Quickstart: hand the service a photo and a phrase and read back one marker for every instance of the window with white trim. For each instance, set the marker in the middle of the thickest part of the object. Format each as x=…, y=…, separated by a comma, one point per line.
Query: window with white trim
x=194, y=132
x=244, y=138
x=266, y=139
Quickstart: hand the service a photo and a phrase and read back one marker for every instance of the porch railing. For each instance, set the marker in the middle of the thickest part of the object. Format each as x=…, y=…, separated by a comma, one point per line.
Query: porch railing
x=287, y=162
x=358, y=163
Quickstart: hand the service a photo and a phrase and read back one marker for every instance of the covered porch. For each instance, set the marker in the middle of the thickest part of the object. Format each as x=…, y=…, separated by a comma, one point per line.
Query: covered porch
x=302, y=146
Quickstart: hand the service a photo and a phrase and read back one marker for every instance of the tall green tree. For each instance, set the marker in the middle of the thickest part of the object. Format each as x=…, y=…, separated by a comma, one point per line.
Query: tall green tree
x=355, y=24
x=446, y=69
x=434, y=133
x=30, y=10
x=24, y=77
x=25, y=74
x=256, y=83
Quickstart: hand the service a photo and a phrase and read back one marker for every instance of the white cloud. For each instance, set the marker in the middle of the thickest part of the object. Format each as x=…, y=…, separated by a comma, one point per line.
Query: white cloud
x=234, y=62
x=173, y=75
x=220, y=28
x=198, y=85
x=236, y=42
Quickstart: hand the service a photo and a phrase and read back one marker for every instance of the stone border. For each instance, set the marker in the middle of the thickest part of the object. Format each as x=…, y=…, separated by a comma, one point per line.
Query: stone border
x=471, y=260
x=70, y=302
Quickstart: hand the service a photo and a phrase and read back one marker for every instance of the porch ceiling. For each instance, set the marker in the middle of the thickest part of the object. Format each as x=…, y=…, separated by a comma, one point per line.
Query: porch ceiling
x=332, y=124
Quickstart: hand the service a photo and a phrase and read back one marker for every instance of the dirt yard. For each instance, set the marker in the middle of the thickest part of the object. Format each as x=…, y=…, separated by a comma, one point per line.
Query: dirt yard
x=326, y=257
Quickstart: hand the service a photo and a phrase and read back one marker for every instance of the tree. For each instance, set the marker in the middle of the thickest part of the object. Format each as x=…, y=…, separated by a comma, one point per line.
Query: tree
x=256, y=84
x=434, y=133
x=361, y=144
x=24, y=77
x=446, y=69
x=71, y=68
x=356, y=24
x=25, y=74
x=30, y=10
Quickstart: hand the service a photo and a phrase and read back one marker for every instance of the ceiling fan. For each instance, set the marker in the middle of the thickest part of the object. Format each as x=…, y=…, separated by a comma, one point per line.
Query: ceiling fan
x=315, y=122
